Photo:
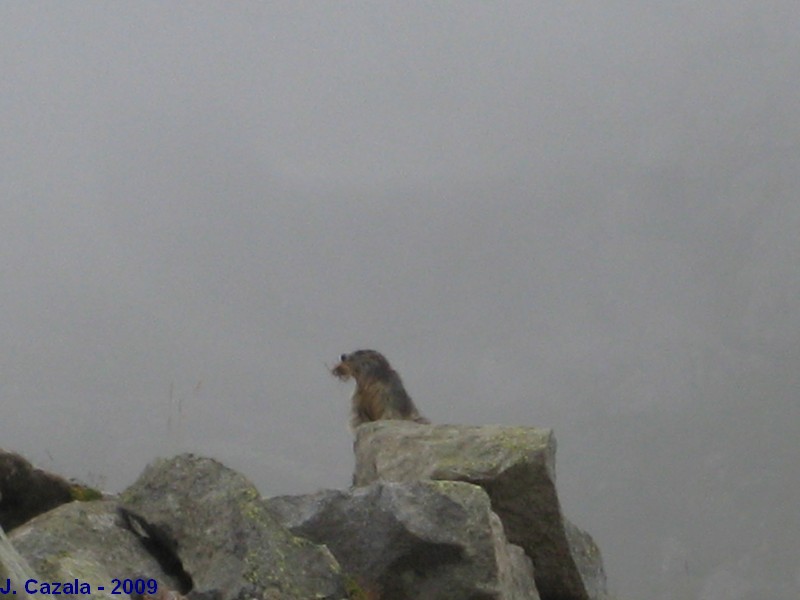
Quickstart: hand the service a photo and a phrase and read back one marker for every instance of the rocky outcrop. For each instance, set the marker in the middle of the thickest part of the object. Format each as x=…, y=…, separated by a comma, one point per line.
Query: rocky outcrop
x=26, y=491
x=424, y=539
x=15, y=571
x=220, y=531
x=516, y=467
x=438, y=512
x=88, y=542
x=190, y=524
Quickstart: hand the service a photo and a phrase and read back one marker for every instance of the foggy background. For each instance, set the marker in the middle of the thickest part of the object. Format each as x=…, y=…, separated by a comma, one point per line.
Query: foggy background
x=581, y=216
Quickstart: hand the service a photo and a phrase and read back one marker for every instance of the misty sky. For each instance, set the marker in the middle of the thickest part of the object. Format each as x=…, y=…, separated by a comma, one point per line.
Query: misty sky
x=581, y=216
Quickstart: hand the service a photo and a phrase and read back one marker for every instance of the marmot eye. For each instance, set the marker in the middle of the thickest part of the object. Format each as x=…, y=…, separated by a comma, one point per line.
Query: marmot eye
x=343, y=357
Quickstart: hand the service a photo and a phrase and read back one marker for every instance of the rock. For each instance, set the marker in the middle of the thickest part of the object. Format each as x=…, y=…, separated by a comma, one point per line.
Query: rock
x=87, y=541
x=225, y=538
x=26, y=492
x=15, y=570
x=161, y=594
x=586, y=555
x=516, y=467
x=421, y=540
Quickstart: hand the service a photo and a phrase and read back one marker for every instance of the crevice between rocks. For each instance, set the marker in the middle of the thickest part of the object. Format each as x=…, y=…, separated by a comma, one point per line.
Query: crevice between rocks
x=160, y=545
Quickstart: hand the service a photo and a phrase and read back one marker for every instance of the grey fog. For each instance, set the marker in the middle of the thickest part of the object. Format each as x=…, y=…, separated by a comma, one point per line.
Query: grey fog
x=575, y=215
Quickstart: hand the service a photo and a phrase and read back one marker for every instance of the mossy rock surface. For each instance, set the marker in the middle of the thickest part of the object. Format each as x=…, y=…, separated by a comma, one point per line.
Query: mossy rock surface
x=225, y=537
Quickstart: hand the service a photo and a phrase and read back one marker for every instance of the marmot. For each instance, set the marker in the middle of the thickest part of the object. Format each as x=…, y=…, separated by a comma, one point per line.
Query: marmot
x=379, y=390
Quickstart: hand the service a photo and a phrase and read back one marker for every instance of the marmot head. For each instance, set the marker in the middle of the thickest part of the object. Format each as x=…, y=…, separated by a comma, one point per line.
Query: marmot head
x=362, y=365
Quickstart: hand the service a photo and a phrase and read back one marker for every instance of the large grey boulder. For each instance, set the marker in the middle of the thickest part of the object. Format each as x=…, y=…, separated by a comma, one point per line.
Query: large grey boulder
x=516, y=467
x=15, y=571
x=88, y=542
x=226, y=540
x=426, y=540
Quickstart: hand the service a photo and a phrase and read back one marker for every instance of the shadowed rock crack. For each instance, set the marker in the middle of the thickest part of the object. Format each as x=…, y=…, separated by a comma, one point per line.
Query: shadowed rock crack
x=160, y=545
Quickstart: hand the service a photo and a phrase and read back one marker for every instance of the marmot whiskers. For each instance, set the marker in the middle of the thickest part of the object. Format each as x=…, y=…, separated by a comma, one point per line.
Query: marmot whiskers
x=379, y=390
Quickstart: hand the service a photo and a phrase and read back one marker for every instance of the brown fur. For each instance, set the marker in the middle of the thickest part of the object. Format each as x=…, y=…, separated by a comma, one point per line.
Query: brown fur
x=379, y=390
